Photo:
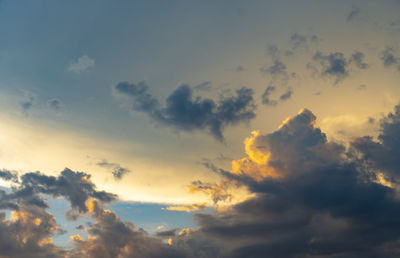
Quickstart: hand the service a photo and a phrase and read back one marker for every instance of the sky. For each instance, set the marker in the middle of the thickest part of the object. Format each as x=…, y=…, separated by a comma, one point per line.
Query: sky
x=199, y=128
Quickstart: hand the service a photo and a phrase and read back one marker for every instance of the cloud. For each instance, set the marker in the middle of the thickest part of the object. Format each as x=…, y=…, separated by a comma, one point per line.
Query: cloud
x=382, y=154
x=308, y=197
x=188, y=208
x=336, y=65
x=207, y=85
x=185, y=113
x=358, y=59
x=277, y=71
x=9, y=175
x=353, y=14
x=287, y=95
x=266, y=97
x=117, y=171
x=83, y=64
x=390, y=59
x=29, y=230
x=56, y=105
x=312, y=197
x=240, y=68
x=27, y=103
x=111, y=237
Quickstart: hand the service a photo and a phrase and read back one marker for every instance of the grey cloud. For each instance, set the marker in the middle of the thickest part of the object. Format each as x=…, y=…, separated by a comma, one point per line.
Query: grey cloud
x=112, y=237
x=266, y=97
x=267, y=94
x=9, y=175
x=336, y=65
x=277, y=71
x=183, y=112
x=353, y=14
x=383, y=153
x=287, y=95
x=207, y=85
x=27, y=103
x=326, y=204
x=167, y=233
x=55, y=104
x=240, y=68
x=117, y=171
x=358, y=59
x=390, y=59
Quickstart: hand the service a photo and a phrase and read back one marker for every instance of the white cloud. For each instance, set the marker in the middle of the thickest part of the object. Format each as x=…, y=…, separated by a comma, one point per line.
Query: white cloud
x=82, y=64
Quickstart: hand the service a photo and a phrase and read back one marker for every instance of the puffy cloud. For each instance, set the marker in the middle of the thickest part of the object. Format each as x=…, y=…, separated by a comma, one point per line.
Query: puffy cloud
x=383, y=153
x=111, y=237
x=277, y=71
x=336, y=65
x=390, y=59
x=83, y=64
x=312, y=198
x=183, y=112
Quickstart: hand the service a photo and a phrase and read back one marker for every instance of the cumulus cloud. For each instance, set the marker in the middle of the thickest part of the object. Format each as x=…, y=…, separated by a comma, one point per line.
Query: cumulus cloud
x=29, y=231
x=83, y=64
x=336, y=65
x=111, y=237
x=308, y=197
x=185, y=113
x=312, y=197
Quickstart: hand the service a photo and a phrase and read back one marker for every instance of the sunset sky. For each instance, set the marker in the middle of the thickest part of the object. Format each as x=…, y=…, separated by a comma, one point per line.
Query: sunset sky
x=199, y=128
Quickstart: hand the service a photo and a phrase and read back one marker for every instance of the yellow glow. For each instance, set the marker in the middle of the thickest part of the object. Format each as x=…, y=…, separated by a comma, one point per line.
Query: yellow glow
x=381, y=180
x=91, y=205
x=170, y=241
x=46, y=241
x=76, y=237
x=186, y=231
x=37, y=221
x=188, y=208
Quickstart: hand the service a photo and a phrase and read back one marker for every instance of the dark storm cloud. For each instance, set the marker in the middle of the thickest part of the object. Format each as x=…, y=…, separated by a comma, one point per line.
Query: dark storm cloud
x=353, y=14
x=183, y=112
x=325, y=203
x=390, y=59
x=117, y=171
x=336, y=65
x=383, y=153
